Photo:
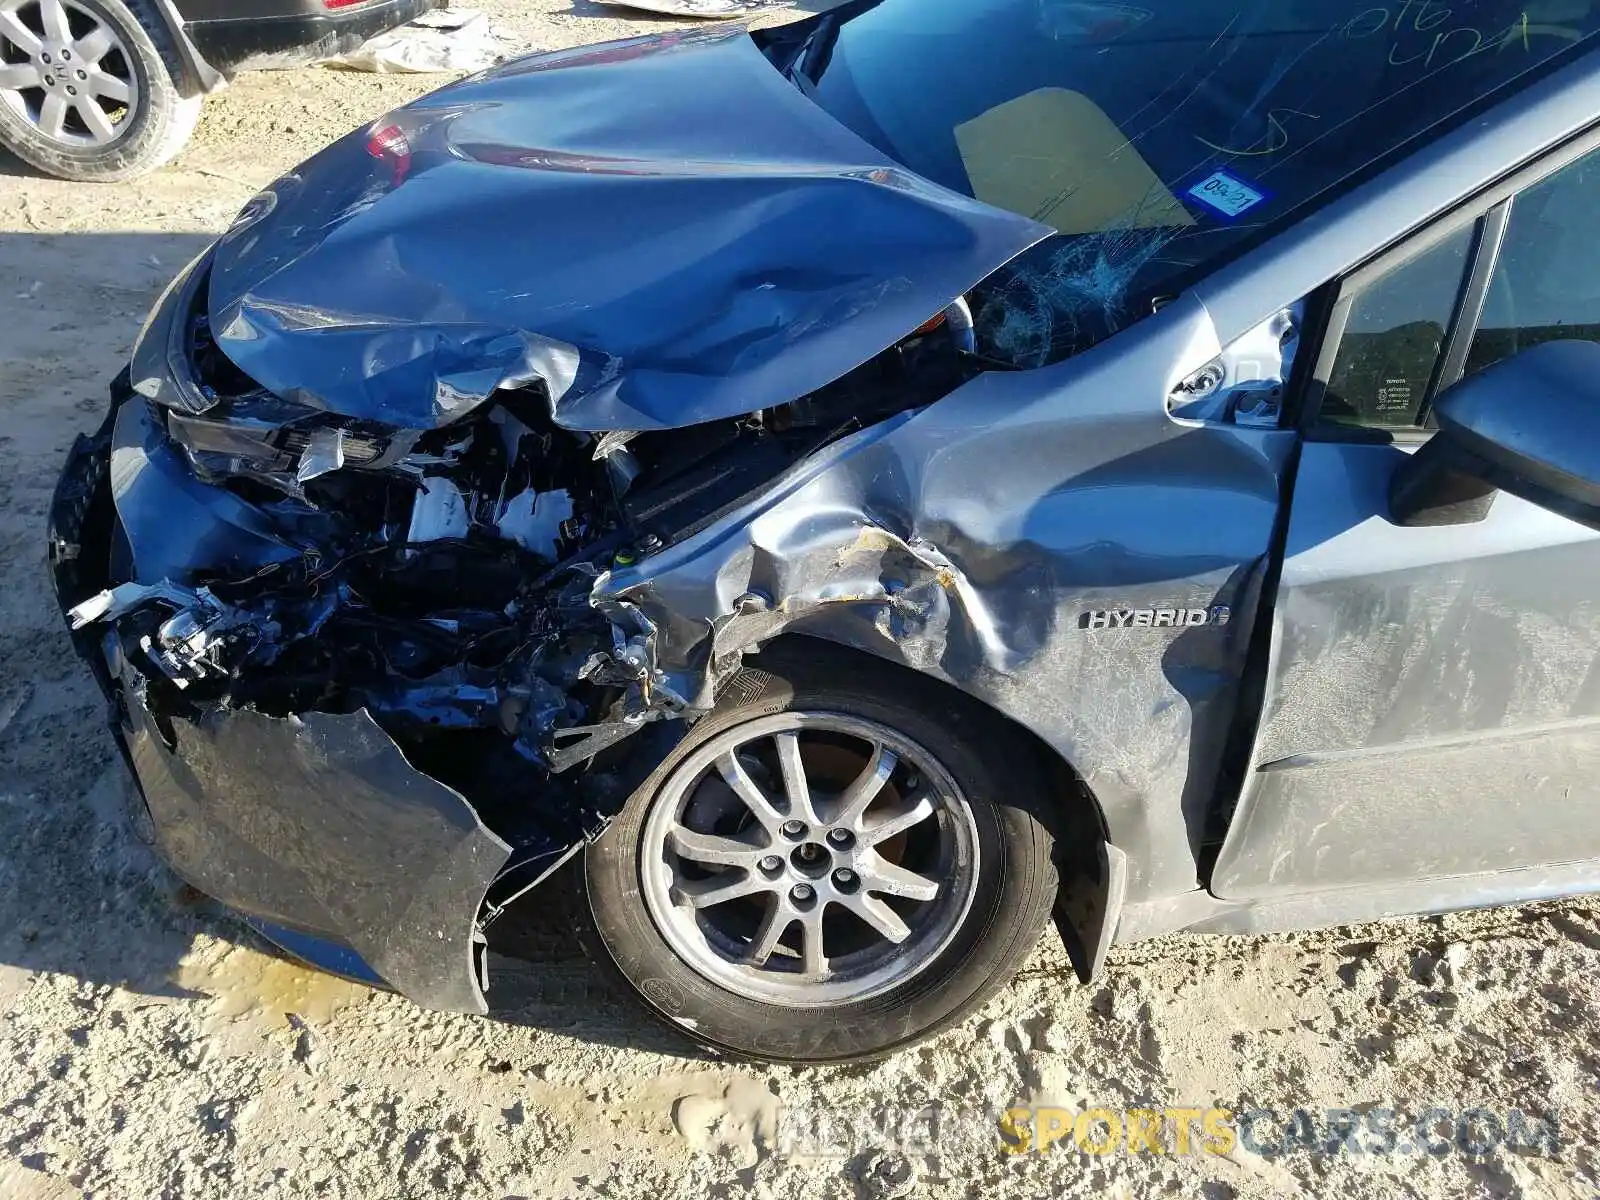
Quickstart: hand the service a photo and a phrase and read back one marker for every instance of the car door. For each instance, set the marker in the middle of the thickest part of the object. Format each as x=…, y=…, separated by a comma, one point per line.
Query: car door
x=1432, y=704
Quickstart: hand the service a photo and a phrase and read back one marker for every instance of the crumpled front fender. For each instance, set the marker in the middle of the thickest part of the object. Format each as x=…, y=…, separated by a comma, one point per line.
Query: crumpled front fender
x=973, y=540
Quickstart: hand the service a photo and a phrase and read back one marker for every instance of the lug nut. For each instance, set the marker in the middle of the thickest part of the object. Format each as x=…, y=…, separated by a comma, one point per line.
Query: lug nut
x=840, y=837
x=844, y=877
x=793, y=829
x=72, y=91
x=44, y=58
x=801, y=893
x=770, y=863
x=66, y=54
x=83, y=74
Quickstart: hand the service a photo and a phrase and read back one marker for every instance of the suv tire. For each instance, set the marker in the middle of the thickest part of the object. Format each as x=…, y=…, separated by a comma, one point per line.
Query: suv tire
x=87, y=88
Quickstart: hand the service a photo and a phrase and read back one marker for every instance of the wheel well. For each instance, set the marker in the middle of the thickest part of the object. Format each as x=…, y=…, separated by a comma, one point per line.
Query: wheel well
x=1088, y=870
x=195, y=76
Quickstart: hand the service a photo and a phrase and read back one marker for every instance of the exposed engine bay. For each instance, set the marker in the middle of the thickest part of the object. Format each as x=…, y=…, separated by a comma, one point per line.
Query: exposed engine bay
x=366, y=556
x=441, y=579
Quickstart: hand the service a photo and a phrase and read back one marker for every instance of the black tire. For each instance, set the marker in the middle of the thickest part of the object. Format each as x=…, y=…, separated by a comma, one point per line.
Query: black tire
x=1015, y=889
x=149, y=132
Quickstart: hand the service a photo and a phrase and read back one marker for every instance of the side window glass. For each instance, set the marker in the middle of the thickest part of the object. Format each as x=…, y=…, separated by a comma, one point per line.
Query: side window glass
x=1394, y=338
x=1546, y=281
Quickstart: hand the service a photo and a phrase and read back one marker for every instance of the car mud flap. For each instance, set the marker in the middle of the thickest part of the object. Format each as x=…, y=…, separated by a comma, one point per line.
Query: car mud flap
x=319, y=823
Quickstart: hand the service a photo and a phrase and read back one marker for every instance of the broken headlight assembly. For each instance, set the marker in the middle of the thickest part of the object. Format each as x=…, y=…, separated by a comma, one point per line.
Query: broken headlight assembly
x=225, y=424
x=276, y=446
x=440, y=582
x=441, y=579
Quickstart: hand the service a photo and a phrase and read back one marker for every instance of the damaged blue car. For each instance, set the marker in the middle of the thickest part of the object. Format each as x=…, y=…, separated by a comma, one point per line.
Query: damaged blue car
x=870, y=486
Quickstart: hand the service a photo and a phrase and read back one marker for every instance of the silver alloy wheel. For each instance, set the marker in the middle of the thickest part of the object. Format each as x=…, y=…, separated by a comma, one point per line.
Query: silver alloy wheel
x=808, y=858
x=66, y=72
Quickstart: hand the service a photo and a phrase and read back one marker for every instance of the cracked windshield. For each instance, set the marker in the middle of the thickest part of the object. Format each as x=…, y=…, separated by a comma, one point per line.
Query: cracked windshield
x=1158, y=140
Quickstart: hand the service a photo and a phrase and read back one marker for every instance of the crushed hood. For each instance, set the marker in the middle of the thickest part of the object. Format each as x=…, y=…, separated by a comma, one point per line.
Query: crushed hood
x=664, y=230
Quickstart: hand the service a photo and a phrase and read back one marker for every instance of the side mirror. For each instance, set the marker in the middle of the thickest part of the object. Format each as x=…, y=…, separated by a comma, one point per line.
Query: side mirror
x=1529, y=425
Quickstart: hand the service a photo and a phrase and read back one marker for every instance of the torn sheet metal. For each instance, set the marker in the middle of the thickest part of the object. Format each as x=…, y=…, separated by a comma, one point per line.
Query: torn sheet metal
x=319, y=823
x=177, y=526
x=314, y=690
x=965, y=541
x=653, y=264
x=324, y=454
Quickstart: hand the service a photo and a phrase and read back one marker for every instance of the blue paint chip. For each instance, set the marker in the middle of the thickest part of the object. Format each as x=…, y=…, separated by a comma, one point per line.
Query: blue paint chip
x=1227, y=194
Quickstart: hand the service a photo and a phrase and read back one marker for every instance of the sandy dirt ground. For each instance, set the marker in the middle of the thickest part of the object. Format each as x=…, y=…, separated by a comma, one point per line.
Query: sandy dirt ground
x=150, y=1048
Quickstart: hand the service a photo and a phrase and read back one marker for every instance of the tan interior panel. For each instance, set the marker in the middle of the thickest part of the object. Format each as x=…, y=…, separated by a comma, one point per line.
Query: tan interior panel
x=1055, y=156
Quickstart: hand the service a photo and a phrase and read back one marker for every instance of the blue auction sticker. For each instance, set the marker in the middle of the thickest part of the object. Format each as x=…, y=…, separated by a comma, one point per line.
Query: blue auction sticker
x=1227, y=194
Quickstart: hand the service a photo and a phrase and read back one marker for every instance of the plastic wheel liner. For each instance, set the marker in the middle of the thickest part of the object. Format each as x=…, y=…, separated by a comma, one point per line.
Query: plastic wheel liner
x=337, y=556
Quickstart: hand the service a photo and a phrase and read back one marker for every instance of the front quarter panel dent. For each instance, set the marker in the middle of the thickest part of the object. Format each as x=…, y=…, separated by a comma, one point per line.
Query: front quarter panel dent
x=964, y=542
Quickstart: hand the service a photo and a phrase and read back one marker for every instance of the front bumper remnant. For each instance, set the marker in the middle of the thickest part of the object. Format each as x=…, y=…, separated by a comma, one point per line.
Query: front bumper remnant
x=315, y=823
x=319, y=823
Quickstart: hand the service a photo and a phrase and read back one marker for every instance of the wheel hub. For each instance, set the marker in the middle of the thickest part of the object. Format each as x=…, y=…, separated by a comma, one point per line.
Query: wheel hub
x=66, y=72
x=809, y=857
